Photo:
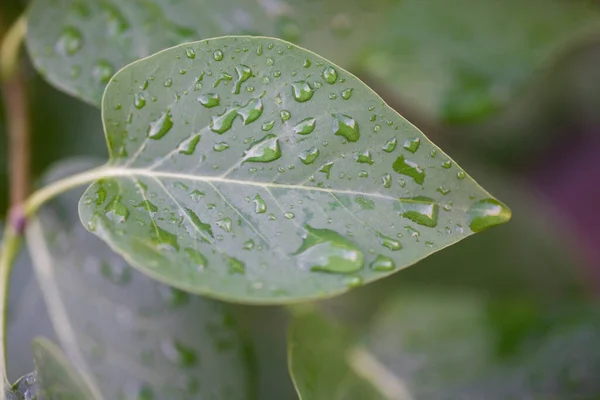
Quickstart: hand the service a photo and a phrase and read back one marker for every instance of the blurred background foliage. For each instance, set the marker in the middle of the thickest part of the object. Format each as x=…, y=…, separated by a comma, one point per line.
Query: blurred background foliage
x=510, y=89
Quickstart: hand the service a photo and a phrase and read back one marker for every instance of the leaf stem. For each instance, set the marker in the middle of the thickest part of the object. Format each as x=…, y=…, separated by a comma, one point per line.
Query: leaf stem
x=11, y=43
x=8, y=252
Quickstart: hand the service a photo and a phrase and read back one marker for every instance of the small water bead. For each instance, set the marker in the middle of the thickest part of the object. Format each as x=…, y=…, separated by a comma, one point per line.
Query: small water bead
x=190, y=53
x=383, y=264
x=285, y=115
x=386, y=180
x=289, y=215
x=70, y=41
x=332, y=96
x=443, y=190
x=433, y=153
x=389, y=242
x=197, y=195
x=325, y=250
x=103, y=71
x=260, y=207
x=144, y=85
x=361, y=174
x=179, y=354
x=390, y=145
x=412, y=145
x=329, y=74
x=302, y=91
x=461, y=175
x=345, y=126
x=446, y=164
x=161, y=126
x=376, y=128
x=183, y=71
x=259, y=50
x=420, y=209
x=188, y=146
x=225, y=224
x=364, y=157
x=277, y=74
x=221, y=146
x=217, y=55
x=235, y=266
x=307, y=63
x=267, y=126
x=354, y=282
x=209, y=100
x=487, y=213
x=347, y=93
x=309, y=156
x=263, y=150
x=168, y=82
x=409, y=168
x=271, y=217
x=326, y=169
x=139, y=101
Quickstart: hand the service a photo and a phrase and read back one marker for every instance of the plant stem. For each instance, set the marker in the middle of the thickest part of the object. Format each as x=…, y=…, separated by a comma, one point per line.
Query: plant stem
x=8, y=252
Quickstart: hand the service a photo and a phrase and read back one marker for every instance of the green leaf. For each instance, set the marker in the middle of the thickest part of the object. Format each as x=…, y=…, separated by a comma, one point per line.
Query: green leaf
x=58, y=378
x=300, y=184
x=318, y=362
x=24, y=388
x=127, y=334
x=463, y=60
x=79, y=44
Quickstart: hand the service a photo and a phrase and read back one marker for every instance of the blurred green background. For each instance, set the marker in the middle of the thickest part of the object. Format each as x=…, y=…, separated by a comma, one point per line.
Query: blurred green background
x=522, y=115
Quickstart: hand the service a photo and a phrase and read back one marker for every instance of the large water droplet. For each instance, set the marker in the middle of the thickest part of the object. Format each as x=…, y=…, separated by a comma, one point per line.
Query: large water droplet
x=345, y=126
x=264, y=150
x=188, y=146
x=222, y=123
x=412, y=145
x=422, y=210
x=285, y=115
x=179, y=354
x=390, y=243
x=328, y=251
x=221, y=146
x=260, y=207
x=203, y=228
x=225, y=224
x=309, y=156
x=251, y=111
x=209, y=100
x=364, y=157
x=116, y=211
x=487, y=213
x=306, y=126
x=302, y=91
x=70, y=41
x=243, y=74
x=161, y=126
x=330, y=75
x=217, y=55
x=326, y=169
x=347, y=93
x=139, y=101
x=390, y=145
x=409, y=168
x=383, y=263
x=267, y=126
x=190, y=53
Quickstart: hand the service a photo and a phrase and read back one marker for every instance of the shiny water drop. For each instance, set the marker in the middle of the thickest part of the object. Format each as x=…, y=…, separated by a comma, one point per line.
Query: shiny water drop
x=190, y=53
x=383, y=264
x=446, y=164
x=197, y=195
x=364, y=157
x=179, y=354
x=102, y=71
x=116, y=211
x=243, y=74
x=347, y=93
x=225, y=224
x=285, y=115
x=302, y=91
x=248, y=244
x=221, y=146
x=307, y=63
x=345, y=126
x=70, y=41
x=353, y=282
x=267, y=126
x=412, y=145
x=209, y=100
x=217, y=55
x=162, y=239
x=330, y=75
x=386, y=180
x=223, y=122
x=204, y=229
x=389, y=242
x=289, y=215
x=328, y=251
x=461, y=175
x=264, y=150
x=306, y=126
x=487, y=213
x=326, y=169
x=390, y=145
x=161, y=126
x=409, y=168
x=443, y=190
x=309, y=156
x=260, y=207
x=188, y=146
x=139, y=101
x=197, y=258
x=168, y=82
x=235, y=266
x=420, y=209
x=251, y=111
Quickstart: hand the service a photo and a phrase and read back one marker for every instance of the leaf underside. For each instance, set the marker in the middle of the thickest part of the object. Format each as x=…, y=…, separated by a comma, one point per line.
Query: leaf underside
x=252, y=170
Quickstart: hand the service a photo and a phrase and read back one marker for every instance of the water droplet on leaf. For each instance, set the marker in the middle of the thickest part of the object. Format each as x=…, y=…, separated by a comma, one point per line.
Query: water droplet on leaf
x=383, y=264
x=345, y=126
x=420, y=209
x=264, y=150
x=330, y=75
x=302, y=91
x=161, y=126
x=412, y=145
x=487, y=213
x=306, y=126
x=309, y=156
x=409, y=168
x=209, y=100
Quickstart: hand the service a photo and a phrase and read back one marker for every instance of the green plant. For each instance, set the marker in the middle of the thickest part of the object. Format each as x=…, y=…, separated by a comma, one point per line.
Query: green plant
x=245, y=169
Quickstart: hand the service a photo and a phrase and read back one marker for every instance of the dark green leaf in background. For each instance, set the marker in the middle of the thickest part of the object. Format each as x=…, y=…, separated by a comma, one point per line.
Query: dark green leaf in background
x=252, y=170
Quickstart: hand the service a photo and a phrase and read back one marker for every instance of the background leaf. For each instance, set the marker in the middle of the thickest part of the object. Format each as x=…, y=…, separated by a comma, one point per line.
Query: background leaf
x=463, y=60
x=262, y=173
x=125, y=333
x=79, y=44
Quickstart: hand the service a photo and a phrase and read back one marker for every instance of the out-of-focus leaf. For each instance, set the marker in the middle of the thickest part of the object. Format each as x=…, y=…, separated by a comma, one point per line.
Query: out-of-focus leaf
x=124, y=332
x=247, y=179
x=79, y=44
x=25, y=388
x=57, y=378
x=318, y=362
x=463, y=60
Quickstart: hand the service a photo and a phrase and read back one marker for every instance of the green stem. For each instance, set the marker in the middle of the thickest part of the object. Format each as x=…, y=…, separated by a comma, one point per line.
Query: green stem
x=9, y=51
x=8, y=252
